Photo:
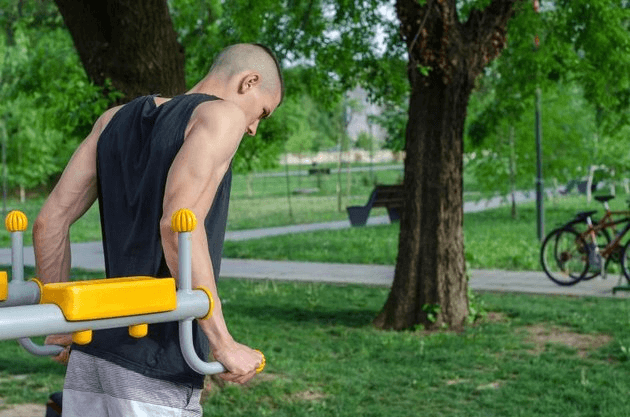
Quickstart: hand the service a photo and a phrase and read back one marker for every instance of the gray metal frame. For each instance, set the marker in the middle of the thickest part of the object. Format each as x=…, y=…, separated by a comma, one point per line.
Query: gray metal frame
x=22, y=317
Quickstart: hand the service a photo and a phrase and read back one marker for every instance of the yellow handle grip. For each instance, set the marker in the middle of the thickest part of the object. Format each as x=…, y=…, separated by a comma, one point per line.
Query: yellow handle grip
x=16, y=221
x=183, y=220
x=262, y=364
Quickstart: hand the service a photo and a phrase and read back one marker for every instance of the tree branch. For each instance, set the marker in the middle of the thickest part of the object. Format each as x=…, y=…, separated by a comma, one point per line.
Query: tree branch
x=487, y=29
x=415, y=38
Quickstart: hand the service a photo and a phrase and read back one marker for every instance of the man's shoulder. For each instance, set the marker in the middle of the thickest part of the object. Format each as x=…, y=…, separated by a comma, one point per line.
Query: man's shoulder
x=219, y=109
x=219, y=119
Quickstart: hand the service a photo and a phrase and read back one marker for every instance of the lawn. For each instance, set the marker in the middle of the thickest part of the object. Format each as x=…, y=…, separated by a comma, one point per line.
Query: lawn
x=492, y=239
x=311, y=200
x=530, y=356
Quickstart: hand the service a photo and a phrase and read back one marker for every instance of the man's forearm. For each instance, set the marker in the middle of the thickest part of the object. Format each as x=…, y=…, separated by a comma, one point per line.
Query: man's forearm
x=52, y=252
x=214, y=327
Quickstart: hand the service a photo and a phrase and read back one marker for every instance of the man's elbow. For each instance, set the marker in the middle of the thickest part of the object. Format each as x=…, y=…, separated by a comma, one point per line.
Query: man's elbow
x=169, y=238
x=39, y=225
x=43, y=226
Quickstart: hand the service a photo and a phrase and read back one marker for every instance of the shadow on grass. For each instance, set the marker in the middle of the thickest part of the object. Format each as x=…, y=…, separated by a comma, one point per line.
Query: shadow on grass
x=355, y=318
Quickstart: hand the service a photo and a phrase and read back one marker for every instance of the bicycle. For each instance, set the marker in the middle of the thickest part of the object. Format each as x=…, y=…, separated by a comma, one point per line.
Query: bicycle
x=582, y=249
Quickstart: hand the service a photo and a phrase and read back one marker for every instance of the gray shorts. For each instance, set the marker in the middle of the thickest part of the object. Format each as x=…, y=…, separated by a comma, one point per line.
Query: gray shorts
x=96, y=387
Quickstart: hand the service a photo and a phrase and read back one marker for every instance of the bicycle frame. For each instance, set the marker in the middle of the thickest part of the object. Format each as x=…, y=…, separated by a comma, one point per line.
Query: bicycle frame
x=594, y=229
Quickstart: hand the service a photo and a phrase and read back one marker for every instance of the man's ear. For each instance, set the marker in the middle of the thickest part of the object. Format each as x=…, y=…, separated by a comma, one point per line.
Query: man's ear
x=249, y=81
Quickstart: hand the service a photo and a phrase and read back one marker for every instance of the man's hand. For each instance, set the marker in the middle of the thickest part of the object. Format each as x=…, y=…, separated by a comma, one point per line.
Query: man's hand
x=61, y=340
x=240, y=361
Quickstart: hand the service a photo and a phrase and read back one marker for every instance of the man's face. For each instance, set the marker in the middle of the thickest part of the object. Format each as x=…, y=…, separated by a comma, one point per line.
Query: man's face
x=260, y=105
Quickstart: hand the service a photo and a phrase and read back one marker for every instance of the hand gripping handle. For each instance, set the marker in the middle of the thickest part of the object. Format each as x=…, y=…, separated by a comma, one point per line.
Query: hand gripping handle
x=184, y=222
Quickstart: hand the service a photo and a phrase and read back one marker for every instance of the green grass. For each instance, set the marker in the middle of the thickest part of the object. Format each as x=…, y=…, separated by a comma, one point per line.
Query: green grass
x=325, y=358
x=86, y=229
x=492, y=239
x=267, y=206
x=266, y=186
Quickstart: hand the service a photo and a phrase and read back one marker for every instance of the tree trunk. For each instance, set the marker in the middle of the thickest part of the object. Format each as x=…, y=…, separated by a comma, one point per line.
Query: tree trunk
x=430, y=268
x=130, y=42
x=589, y=183
x=430, y=285
x=512, y=163
x=338, y=186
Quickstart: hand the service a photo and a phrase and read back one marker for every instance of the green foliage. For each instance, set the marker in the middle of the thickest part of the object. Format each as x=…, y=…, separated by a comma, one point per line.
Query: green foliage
x=393, y=119
x=476, y=306
x=598, y=32
x=584, y=48
x=307, y=124
x=432, y=311
x=464, y=7
x=327, y=48
x=198, y=26
x=46, y=103
x=366, y=141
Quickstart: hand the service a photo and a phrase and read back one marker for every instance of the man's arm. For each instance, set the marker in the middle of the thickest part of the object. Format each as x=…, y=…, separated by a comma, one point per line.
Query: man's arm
x=211, y=140
x=73, y=195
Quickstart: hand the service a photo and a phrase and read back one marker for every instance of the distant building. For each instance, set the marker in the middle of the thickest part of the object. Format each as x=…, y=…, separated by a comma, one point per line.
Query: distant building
x=359, y=121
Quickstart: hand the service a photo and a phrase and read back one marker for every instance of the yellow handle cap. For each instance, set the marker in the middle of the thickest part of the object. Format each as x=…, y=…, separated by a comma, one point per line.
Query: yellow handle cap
x=210, y=301
x=183, y=220
x=82, y=337
x=138, y=330
x=16, y=221
x=262, y=364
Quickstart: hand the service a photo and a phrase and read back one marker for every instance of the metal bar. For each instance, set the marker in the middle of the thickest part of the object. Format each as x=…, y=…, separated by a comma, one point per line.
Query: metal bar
x=184, y=261
x=21, y=293
x=188, y=350
x=39, y=350
x=44, y=319
x=17, y=257
x=185, y=325
x=539, y=175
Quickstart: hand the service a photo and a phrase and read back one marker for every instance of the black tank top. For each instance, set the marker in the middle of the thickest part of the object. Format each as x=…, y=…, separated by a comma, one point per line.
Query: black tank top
x=134, y=154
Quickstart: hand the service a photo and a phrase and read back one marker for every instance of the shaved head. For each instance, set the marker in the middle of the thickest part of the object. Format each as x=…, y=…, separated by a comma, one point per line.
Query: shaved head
x=243, y=57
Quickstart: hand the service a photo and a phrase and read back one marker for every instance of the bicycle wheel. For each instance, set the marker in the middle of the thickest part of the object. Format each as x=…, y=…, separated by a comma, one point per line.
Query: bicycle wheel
x=564, y=256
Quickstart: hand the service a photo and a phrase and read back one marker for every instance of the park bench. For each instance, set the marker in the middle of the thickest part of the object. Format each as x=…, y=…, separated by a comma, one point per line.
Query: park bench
x=318, y=171
x=579, y=185
x=388, y=196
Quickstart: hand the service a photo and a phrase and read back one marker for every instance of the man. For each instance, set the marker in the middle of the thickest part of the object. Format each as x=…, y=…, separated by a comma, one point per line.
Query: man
x=144, y=161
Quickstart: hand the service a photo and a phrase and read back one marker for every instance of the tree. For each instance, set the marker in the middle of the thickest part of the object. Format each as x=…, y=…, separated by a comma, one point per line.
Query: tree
x=326, y=46
x=130, y=42
x=568, y=146
x=446, y=56
x=38, y=67
x=583, y=46
x=338, y=39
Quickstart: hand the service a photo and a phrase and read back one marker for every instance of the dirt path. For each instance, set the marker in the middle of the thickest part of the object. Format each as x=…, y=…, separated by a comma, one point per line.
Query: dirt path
x=24, y=410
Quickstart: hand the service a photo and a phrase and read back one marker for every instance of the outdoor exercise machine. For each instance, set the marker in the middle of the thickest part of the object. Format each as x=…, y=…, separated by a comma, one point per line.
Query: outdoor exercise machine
x=31, y=308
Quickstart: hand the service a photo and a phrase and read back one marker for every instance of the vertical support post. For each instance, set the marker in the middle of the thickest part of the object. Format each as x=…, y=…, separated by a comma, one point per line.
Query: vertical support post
x=184, y=260
x=17, y=257
x=539, y=175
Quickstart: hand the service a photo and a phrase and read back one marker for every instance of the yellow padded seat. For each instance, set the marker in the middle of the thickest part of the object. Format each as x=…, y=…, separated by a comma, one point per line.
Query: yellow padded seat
x=113, y=297
x=4, y=286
